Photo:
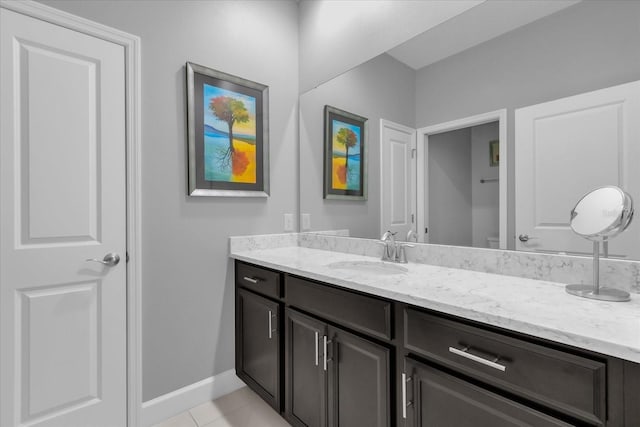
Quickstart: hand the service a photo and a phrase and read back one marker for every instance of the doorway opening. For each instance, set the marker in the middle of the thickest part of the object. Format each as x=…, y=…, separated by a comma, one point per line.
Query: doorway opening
x=461, y=182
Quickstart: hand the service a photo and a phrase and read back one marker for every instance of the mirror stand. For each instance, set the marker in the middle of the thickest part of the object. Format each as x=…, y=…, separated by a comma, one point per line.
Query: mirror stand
x=595, y=291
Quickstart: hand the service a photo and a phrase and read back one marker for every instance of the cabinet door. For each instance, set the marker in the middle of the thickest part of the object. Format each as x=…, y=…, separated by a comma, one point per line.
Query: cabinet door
x=436, y=399
x=306, y=382
x=359, y=384
x=258, y=345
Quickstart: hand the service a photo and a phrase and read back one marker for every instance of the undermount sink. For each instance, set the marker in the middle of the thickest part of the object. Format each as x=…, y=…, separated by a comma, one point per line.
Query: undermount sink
x=377, y=267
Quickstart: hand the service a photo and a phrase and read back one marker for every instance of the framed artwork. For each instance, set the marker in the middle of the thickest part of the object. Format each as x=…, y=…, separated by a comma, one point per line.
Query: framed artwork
x=228, y=134
x=494, y=153
x=345, y=166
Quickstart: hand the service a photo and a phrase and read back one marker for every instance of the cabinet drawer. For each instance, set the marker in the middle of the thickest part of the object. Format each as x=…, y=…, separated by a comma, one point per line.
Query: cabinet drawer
x=258, y=279
x=572, y=384
x=360, y=312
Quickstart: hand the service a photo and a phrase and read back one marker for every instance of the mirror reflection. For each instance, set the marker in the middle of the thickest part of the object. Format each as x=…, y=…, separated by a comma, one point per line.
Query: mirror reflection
x=489, y=146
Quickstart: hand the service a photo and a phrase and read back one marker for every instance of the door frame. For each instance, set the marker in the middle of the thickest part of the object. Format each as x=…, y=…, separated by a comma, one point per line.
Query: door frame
x=422, y=147
x=133, y=139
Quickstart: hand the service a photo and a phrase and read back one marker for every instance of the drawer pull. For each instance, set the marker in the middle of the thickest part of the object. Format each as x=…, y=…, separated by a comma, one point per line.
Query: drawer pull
x=251, y=280
x=317, y=348
x=491, y=363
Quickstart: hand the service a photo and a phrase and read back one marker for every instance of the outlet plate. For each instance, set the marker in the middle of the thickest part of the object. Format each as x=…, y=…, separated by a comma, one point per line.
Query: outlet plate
x=306, y=222
x=288, y=222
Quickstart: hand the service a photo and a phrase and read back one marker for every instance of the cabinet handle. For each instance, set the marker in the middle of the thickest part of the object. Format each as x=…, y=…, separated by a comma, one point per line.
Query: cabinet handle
x=317, y=348
x=464, y=353
x=251, y=280
x=405, y=404
x=271, y=330
x=325, y=342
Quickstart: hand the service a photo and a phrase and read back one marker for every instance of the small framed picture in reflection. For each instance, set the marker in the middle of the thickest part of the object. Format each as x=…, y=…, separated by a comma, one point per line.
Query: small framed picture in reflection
x=345, y=166
x=494, y=153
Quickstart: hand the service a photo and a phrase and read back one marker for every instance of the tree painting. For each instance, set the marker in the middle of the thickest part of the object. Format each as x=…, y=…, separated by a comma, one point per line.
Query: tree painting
x=231, y=111
x=346, y=156
x=229, y=135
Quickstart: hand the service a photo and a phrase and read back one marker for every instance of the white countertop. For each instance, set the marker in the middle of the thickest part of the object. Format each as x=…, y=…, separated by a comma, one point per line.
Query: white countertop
x=538, y=308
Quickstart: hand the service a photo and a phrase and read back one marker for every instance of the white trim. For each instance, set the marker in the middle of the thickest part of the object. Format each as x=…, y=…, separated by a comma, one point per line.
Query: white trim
x=133, y=79
x=422, y=147
x=185, y=398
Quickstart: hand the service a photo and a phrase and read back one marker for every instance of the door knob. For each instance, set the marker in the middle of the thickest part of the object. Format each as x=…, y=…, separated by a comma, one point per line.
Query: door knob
x=525, y=237
x=110, y=259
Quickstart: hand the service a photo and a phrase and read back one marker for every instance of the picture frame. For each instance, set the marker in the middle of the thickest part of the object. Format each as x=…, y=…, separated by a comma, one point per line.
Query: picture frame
x=345, y=155
x=494, y=153
x=228, y=134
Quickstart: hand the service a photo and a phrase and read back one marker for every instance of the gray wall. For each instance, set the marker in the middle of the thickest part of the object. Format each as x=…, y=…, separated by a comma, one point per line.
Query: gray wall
x=485, y=197
x=379, y=88
x=589, y=46
x=449, y=180
x=187, y=283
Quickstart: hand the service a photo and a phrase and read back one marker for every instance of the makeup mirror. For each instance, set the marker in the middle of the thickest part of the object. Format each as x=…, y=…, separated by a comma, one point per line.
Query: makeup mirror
x=598, y=216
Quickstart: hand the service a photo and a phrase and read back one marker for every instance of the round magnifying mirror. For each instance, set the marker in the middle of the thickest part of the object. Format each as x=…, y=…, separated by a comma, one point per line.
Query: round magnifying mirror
x=599, y=215
x=602, y=213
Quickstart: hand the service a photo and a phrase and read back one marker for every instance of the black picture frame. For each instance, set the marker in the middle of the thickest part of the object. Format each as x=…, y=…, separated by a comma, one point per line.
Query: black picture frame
x=344, y=131
x=223, y=161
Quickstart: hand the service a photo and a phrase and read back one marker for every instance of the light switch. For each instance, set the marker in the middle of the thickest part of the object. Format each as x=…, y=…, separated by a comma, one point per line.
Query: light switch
x=306, y=222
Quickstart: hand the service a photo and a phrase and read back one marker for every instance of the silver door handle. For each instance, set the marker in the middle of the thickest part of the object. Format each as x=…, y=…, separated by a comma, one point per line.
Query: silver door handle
x=492, y=363
x=110, y=259
x=525, y=237
x=251, y=280
x=405, y=404
x=271, y=330
x=325, y=342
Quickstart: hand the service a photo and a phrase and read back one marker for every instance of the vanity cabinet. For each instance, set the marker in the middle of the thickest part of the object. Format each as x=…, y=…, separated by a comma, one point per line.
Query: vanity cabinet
x=323, y=355
x=333, y=377
x=258, y=333
x=434, y=398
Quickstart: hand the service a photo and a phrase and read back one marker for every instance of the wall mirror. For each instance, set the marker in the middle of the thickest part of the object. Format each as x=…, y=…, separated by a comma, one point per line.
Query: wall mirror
x=445, y=108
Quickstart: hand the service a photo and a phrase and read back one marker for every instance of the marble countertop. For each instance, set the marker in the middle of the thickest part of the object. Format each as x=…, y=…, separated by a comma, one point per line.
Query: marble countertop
x=538, y=308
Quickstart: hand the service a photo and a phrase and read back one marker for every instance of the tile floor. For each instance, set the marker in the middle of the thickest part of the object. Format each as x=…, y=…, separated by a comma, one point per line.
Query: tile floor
x=242, y=408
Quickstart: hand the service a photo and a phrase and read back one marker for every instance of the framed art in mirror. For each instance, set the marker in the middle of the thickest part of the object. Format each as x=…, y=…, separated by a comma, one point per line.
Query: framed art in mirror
x=345, y=166
x=228, y=134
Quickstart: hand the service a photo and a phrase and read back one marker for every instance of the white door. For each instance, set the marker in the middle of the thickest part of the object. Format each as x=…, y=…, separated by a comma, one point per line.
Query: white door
x=62, y=182
x=567, y=147
x=398, y=178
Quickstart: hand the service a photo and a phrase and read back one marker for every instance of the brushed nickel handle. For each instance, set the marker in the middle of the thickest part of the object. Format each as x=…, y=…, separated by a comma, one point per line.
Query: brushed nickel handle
x=110, y=259
x=405, y=404
x=525, y=238
x=325, y=342
x=465, y=353
x=316, y=348
x=251, y=280
x=271, y=330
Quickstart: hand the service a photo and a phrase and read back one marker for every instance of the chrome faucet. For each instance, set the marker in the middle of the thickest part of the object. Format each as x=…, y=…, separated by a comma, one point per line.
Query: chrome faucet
x=388, y=239
x=393, y=251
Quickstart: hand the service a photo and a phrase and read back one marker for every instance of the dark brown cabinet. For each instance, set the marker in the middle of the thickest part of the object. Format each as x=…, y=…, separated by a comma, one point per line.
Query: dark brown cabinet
x=326, y=356
x=306, y=381
x=334, y=378
x=258, y=346
x=435, y=399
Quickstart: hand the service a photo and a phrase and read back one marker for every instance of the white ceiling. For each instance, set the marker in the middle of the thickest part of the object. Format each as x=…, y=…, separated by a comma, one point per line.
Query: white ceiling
x=472, y=27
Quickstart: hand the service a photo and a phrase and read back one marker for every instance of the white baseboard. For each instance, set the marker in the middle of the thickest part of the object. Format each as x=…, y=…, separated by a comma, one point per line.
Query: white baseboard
x=185, y=398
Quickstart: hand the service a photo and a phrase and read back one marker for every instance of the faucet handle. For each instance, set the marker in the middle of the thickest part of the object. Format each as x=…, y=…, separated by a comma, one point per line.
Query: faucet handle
x=401, y=255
